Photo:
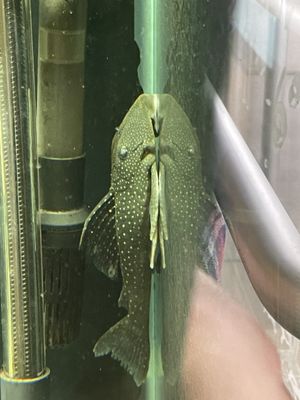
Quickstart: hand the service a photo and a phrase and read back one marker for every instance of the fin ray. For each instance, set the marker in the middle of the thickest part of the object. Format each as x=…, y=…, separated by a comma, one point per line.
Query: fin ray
x=163, y=226
x=153, y=211
x=98, y=237
x=127, y=344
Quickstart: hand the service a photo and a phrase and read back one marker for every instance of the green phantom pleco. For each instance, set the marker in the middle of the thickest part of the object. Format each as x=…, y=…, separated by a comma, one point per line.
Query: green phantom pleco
x=154, y=180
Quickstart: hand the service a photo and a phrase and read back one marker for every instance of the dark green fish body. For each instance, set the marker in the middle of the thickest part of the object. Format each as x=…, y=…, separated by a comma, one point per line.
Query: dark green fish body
x=188, y=206
x=116, y=234
x=152, y=213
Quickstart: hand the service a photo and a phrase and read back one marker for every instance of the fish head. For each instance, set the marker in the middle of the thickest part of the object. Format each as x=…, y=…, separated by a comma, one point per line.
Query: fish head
x=179, y=143
x=133, y=146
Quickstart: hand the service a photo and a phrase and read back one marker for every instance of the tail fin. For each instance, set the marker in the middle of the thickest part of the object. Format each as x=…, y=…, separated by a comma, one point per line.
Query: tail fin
x=128, y=343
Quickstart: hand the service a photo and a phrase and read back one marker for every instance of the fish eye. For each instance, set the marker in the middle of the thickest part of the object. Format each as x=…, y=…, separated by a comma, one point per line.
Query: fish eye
x=123, y=153
x=191, y=151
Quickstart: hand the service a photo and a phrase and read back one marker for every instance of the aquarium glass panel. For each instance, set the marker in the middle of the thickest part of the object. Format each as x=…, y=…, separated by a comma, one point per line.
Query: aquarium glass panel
x=149, y=199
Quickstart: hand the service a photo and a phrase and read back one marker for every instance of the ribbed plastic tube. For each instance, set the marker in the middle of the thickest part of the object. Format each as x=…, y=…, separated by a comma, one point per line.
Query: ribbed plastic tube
x=24, y=366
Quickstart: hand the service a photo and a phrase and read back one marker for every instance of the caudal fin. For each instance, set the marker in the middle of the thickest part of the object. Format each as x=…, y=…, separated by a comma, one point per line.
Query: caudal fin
x=129, y=344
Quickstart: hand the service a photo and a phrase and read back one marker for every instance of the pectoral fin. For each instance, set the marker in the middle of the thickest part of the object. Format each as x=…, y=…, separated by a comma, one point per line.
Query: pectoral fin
x=98, y=237
x=158, y=215
x=153, y=210
x=163, y=228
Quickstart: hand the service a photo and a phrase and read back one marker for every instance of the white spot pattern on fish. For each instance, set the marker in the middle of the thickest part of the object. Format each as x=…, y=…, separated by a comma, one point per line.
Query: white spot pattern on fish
x=154, y=180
